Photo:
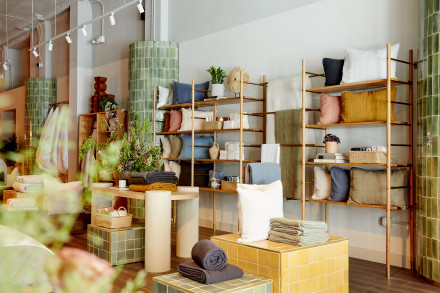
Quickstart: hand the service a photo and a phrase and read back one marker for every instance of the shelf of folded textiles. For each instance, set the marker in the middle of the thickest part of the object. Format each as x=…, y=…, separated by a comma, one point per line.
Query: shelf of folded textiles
x=211, y=101
x=393, y=208
x=323, y=126
x=357, y=86
x=211, y=160
x=209, y=131
x=217, y=190
x=358, y=164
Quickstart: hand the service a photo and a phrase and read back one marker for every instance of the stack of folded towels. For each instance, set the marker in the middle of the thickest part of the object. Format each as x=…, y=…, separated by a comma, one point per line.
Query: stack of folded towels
x=209, y=264
x=296, y=232
x=153, y=180
x=20, y=204
x=28, y=183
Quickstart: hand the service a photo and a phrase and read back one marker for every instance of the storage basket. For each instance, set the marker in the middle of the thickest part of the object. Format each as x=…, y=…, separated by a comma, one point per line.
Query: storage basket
x=229, y=185
x=213, y=125
x=367, y=157
x=107, y=221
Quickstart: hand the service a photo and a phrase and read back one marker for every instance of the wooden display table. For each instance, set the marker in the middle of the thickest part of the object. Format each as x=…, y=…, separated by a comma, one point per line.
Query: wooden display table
x=292, y=268
x=177, y=283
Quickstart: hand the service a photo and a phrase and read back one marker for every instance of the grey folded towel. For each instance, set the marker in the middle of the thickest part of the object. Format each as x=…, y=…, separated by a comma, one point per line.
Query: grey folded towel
x=298, y=231
x=208, y=255
x=151, y=177
x=264, y=173
x=298, y=240
x=303, y=225
x=192, y=271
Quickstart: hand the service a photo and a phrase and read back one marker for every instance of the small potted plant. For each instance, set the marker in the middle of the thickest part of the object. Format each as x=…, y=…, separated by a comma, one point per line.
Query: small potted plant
x=217, y=78
x=331, y=143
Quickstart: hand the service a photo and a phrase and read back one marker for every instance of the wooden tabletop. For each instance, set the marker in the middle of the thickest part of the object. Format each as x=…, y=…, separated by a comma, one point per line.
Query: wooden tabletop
x=177, y=195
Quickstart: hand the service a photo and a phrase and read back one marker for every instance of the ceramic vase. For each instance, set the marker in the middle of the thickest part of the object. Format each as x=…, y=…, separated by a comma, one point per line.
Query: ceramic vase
x=214, y=151
x=218, y=90
x=331, y=147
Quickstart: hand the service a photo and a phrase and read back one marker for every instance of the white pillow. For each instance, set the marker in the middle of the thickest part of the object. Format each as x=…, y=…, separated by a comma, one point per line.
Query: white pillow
x=363, y=65
x=166, y=166
x=166, y=147
x=257, y=204
x=62, y=198
x=165, y=97
x=322, y=184
x=199, y=119
x=175, y=167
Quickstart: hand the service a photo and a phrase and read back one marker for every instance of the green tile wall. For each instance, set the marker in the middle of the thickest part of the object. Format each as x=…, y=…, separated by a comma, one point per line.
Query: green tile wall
x=428, y=147
x=151, y=64
x=136, y=207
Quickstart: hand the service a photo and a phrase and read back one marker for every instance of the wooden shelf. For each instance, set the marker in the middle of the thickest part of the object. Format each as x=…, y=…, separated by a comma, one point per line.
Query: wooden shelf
x=217, y=190
x=393, y=208
x=209, y=160
x=209, y=103
x=356, y=164
x=357, y=86
x=323, y=126
x=208, y=131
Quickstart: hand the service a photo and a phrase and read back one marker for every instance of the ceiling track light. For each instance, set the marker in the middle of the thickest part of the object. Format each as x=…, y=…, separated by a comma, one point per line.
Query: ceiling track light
x=5, y=66
x=140, y=7
x=68, y=39
x=50, y=46
x=84, y=31
x=112, y=18
x=35, y=52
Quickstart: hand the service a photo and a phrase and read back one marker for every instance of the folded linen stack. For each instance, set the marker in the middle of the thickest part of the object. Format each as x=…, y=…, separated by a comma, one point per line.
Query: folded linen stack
x=154, y=186
x=28, y=183
x=209, y=264
x=150, y=177
x=20, y=204
x=296, y=232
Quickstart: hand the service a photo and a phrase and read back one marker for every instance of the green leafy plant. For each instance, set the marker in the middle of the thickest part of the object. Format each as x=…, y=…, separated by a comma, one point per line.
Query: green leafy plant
x=7, y=147
x=89, y=145
x=108, y=104
x=331, y=137
x=217, y=75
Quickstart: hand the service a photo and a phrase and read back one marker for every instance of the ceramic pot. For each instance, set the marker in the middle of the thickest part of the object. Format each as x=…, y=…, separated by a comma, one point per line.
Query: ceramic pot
x=214, y=152
x=112, y=123
x=218, y=90
x=331, y=147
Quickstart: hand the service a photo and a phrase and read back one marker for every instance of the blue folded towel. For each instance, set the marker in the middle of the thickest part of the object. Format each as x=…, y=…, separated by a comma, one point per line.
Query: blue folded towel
x=264, y=173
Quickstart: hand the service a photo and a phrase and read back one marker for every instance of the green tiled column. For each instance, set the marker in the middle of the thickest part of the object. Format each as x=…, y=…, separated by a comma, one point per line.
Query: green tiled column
x=152, y=64
x=428, y=148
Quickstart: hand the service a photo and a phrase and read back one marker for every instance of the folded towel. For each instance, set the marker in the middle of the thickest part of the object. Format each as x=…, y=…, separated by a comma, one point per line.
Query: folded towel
x=154, y=186
x=24, y=187
x=21, y=203
x=209, y=255
x=304, y=225
x=298, y=240
x=152, y=177
x=30, y=179
x=298, y=231
x=264, y=173
x=270, y=153
x=192, y=271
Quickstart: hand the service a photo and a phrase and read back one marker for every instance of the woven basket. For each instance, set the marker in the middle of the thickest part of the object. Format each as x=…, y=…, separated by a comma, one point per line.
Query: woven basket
x=367, y=157
x=114, y=222
x=213, y=125
x=229, y=185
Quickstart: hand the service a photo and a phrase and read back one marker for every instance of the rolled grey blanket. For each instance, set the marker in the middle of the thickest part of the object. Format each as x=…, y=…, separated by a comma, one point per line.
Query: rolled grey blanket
x=209, y=255
x=298, y=240
x=192, y=271
x=150, y=177
x=304, y=225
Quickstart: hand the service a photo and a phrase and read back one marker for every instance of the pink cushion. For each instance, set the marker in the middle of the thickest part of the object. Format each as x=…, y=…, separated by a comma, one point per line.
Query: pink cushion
x=175, y=120
x=331, y=109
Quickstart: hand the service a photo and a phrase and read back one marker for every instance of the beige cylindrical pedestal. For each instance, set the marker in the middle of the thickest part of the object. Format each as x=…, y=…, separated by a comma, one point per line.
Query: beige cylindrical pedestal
x=187, y=233
x=157, y=231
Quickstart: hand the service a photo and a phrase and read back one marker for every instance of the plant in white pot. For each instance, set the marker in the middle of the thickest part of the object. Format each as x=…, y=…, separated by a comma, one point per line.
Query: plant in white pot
x=217, y=78
x=331, y=143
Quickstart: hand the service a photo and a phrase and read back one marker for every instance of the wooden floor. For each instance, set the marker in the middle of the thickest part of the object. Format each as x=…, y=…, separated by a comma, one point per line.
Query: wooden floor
x=365, y=276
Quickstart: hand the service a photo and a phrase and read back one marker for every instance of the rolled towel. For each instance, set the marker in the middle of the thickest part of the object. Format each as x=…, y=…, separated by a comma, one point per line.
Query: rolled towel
x=152, y=177
x=304, y=225
x=29, y=179
x=155, y=186
x=24, y=187
x=192, y=271
x=298, y=240
x=209, y=255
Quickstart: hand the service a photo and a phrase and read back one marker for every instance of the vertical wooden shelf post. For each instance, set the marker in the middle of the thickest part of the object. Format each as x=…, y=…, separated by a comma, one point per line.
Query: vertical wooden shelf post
x=388, y=194
x=303, y=148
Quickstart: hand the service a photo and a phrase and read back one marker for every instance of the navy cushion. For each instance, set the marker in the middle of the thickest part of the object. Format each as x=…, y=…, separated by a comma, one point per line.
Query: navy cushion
x=182, y=92
x=340, y=184
x=333, y=71
x=199, y=152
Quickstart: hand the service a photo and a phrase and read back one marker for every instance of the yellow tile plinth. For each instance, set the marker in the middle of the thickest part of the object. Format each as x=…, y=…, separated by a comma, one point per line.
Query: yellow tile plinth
x=316, y=268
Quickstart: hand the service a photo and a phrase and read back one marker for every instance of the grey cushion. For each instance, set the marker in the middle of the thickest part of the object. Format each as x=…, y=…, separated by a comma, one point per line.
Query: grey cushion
x=369, y=187
x=340, y=184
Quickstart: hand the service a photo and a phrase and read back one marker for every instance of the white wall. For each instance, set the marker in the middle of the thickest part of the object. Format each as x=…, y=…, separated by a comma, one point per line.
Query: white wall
x=275, y=46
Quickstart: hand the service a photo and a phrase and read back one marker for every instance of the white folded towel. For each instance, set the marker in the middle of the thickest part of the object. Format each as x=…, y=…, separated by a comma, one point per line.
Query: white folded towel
x=270, y=153
x=21, y=203
x=29, y=179
x=24, y=187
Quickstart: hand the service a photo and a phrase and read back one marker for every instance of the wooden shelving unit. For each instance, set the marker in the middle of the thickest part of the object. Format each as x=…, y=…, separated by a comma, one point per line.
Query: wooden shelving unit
x=241, y=100
x=360, y=86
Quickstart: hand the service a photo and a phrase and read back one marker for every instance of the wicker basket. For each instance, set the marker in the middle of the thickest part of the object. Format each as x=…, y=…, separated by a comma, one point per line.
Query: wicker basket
x=229, y=185
x=213, y=125
x=107, y=221
x=367, y=157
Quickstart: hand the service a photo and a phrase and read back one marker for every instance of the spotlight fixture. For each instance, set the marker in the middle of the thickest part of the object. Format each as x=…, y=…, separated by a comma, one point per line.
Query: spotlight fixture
x=68, y=39
x=35, y=52
x=112, y=18
x=5, y=66
x=140, y=7
x=84, y=31
x=50, y=46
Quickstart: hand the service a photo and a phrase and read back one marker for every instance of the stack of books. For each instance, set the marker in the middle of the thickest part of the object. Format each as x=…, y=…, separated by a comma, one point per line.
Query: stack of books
x=331, y=158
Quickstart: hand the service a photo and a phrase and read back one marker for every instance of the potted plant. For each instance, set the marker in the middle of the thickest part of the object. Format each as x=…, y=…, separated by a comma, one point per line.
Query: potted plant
x=331, y=143
x=217, y=78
